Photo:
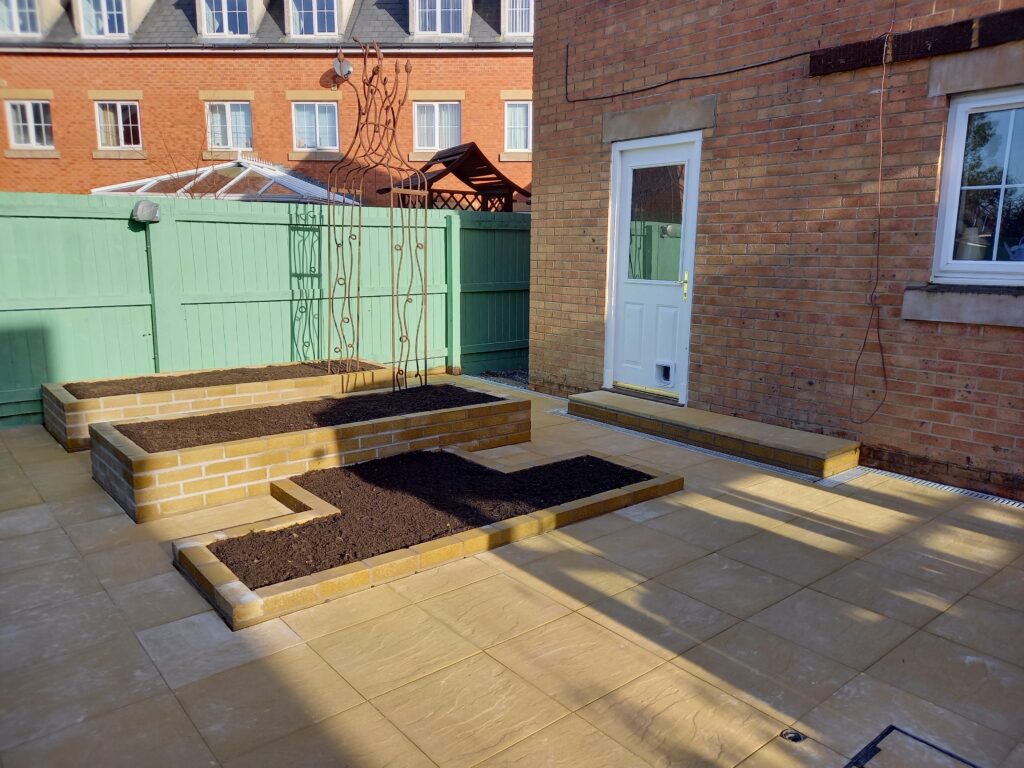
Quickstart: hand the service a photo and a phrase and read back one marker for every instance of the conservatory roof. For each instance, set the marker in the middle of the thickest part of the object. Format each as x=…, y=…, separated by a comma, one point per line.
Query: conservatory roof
x=246, y=178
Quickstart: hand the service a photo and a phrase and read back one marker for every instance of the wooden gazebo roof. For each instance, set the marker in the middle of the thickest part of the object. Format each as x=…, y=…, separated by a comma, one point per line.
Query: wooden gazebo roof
x=489, y=188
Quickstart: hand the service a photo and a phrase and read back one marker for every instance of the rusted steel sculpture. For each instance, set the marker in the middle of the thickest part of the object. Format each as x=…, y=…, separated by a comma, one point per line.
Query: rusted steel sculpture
x=372, y=161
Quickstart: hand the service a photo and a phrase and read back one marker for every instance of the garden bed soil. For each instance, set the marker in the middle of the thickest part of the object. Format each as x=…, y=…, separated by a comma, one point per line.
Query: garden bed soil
x=404, y=500
x=85, y=390
x=247, y=423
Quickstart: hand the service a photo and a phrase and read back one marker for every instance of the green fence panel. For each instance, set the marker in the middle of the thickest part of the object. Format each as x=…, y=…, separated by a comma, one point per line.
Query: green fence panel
x=86, y=293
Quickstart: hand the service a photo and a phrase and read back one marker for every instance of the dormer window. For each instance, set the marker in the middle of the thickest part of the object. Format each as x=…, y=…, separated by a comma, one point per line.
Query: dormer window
x=101, y=18
x=443, y=17
x=314, y=17
x=226, y=17
x=18, y=17
x=520, y=17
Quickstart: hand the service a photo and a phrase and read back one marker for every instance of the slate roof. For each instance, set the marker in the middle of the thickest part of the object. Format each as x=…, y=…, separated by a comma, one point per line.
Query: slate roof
x=172, y=24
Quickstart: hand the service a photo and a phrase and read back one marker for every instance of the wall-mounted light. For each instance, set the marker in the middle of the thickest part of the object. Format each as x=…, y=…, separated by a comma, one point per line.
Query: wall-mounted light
x=146, y=212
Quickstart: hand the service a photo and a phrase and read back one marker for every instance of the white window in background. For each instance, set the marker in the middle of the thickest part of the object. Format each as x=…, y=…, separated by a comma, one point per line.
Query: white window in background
x=226, y=17
x=520, y=17
x=229, y=124
x=518, y=126
x=437, y=125
x=981, y=211
x=118, y=124
x=18, y=17
x=102, y=17
x=314, y=17
x=30, y=124
x=442, y=17
x=315, y=125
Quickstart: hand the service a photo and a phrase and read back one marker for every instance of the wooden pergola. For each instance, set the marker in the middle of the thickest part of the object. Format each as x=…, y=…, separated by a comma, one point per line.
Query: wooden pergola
x=489, y=189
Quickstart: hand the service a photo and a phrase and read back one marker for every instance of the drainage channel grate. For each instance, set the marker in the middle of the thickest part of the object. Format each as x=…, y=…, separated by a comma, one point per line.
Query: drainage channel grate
x=905, y=748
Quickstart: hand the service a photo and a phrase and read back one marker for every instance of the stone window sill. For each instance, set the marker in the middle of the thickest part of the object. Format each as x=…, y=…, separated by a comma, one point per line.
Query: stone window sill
x=516, y=157
x=33, y=154
x=968, y=304
x=314, y=157
x=421, y=157
x=119, y=154
x=222, y=154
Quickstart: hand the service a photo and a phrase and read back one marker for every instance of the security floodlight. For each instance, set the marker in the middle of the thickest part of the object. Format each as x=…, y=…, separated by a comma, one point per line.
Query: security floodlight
x=146, y=212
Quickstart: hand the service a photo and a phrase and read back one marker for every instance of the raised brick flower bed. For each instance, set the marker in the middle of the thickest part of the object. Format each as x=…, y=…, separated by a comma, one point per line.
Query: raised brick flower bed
x=151, y=485
x=241, y=606
x=68, y=417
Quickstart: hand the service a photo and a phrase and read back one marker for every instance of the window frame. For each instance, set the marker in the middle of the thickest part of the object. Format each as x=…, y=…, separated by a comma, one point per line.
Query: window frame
x=227, y=112
x=437, y=128
x=15, y=20
x=120, y=125
x=508, y=19
x=316, y=31
x=944, y=268
x=529, y=125
x=316, y=126
x=29, y=103
x=207, y=32
x=107, y=16
x=437, y=13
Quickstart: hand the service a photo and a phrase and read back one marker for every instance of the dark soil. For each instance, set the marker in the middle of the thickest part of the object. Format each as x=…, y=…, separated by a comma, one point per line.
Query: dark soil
x=192, y=431
x=404, y=500
x=89, y=389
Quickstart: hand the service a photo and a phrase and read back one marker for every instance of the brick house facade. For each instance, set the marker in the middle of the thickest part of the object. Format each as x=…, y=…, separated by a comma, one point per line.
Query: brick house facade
x=174, y=72
x=789, y=276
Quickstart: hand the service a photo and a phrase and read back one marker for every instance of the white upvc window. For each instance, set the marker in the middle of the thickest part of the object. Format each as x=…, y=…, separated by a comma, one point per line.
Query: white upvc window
x=226, y=17
x=518, y=126
x=118, y=125
x=314, y=17
x=229, y=124
x=441, y=17
x=30, y=125
x=437, y=125
x=19, y=17
x=315, y=125
x=102, y=18
x=980, y=236
x=519, y=17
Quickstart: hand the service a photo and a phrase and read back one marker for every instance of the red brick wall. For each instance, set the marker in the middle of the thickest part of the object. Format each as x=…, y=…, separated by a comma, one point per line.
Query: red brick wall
x=173, y=117
x=785, y=240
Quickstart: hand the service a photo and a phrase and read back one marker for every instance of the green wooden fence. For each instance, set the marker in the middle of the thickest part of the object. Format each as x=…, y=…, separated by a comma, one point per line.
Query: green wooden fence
x=87, y=293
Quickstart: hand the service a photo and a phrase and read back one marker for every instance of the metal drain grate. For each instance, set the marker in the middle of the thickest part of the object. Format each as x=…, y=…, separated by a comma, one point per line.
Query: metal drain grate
x=875, y=747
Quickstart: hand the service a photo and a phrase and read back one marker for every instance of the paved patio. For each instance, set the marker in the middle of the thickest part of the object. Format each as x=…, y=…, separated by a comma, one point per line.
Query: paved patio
x=685, y=631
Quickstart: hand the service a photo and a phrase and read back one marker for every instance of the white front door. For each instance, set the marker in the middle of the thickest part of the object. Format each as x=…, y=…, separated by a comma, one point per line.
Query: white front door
x=650, y=285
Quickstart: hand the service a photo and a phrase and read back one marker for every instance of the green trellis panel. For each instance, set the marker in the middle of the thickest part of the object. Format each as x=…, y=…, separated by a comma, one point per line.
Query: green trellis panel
x=232, y=284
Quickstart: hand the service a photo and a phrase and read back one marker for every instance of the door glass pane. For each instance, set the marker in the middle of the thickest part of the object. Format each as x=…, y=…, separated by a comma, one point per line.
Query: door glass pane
x=985, y=148
x=975, y=224
x=655, y=223
x=1011, y=227
x=1015, y=164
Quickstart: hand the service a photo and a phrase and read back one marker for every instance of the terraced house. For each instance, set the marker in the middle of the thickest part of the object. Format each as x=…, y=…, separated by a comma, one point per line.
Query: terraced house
x=101, y=92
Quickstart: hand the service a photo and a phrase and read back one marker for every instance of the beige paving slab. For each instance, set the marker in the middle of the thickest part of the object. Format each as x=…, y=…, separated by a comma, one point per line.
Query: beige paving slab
x=912, y=498
x=795, y=552
x=467, y=712
x=722, y=475
x=729, y=585
x=68, y=484
x=780, y=678
x=669, y=717
x=131, y=562
x=574, y=660
x=862, y=525
x=644, y=550
x=847, y=633
x=890, y=593
x=35, y=549
x=568, y=743
x=157, y=600
x=445, y=578
x=780, y=753
x=15, y=495
x=46, y=584
x=862, y=708
x=1005, y=588
x=984, y=626
x=1016, y=758
x=663, y=505
x=588, y=530
x=658, y=619
x=107, y=533
x=241, y=708
x=525, y=551
x=43, y=698
x=715, y=523
x=576, y=578
x=899, y=750
x=47, y=631
x=980, y=687
x=668, y=457
x=999, y=520
x=154, y=733
x=789, y=495
x=345, y=612
x=198, y=646
x=84, y=509
x=26, y=520
x=494, y=610
x=384, y=653
x=356, y=738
